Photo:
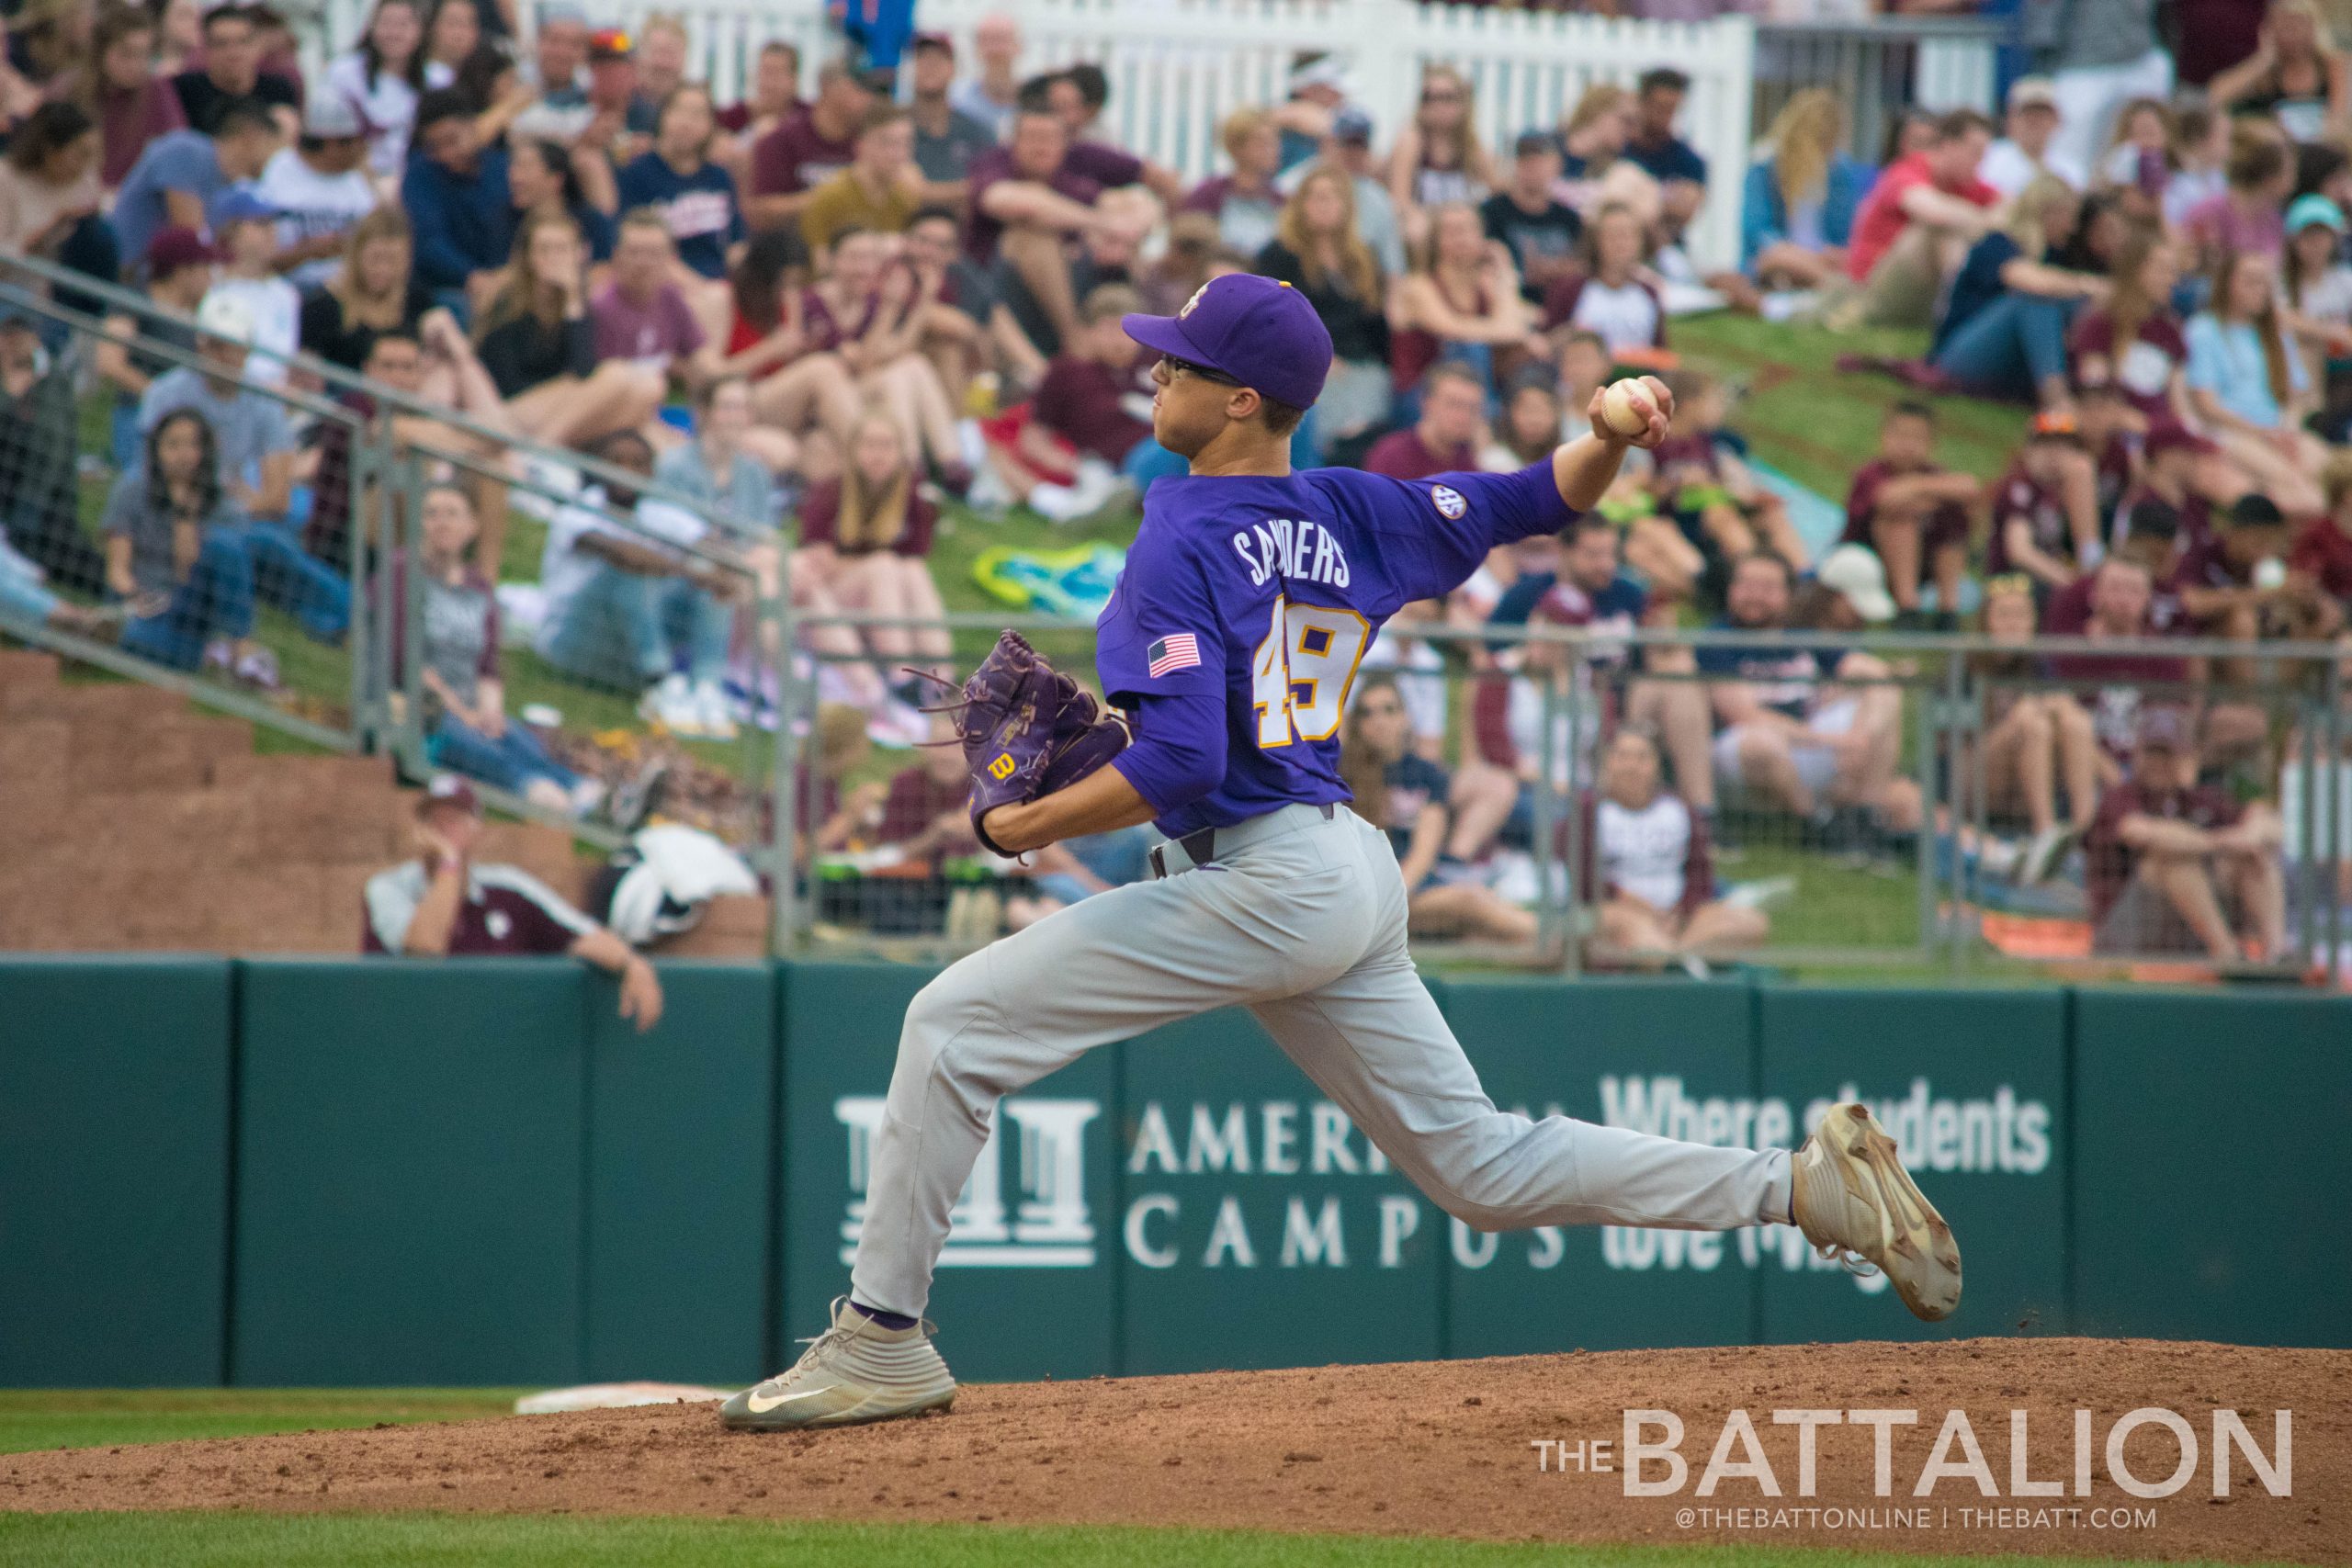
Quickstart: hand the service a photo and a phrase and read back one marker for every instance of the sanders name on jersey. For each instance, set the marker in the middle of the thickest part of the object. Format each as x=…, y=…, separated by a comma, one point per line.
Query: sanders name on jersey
x=1294, y=548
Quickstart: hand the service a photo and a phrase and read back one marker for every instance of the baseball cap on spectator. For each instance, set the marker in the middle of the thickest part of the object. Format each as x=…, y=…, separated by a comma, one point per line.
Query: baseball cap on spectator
x=2165, y=728
x=1329, y=72
x=329, y=117
x=1351, y=124
x=242, y=206
x=176, y=248
x=226, y=318
x=2037, y=91
x=449, y=789
x=2256, y=509
x=2054, y=424
x=1262, y=334
x=2171, y=436
x=1856, y=574
x=610, y=43
x=2314, y=211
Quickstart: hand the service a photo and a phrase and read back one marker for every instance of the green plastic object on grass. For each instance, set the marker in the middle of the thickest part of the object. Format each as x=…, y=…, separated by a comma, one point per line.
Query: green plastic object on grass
x=1073, y=581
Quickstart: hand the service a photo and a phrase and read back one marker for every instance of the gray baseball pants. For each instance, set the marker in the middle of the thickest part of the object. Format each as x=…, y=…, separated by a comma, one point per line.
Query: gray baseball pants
x=1300, y=918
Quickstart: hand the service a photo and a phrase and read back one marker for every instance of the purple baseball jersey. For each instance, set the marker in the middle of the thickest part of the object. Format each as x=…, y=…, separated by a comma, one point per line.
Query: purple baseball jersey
x=1247, y=604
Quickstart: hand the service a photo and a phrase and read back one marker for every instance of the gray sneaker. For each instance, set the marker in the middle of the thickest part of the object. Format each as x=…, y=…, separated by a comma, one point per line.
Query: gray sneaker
x=1853, y=1199
x=856, y=1370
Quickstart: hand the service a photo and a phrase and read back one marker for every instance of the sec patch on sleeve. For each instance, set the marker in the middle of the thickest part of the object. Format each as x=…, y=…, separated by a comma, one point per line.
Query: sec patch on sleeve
x=1178, y=650
x=1448, y=501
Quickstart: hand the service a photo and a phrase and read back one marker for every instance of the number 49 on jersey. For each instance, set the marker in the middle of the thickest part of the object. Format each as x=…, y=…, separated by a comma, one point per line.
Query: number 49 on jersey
x=1300, y=675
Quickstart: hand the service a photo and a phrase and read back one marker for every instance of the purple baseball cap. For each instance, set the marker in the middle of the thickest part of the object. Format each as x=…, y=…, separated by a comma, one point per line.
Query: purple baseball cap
x=1262, y=334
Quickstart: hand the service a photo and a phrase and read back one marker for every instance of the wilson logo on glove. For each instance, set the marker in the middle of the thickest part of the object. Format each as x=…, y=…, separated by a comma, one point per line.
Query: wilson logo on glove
x=1038, y=729
x=1003, y=767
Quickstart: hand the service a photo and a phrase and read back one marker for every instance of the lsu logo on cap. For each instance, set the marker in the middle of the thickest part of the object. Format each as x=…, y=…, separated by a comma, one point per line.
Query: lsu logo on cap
x=1190, y=304
x=1448, y=501
x=1003, y=767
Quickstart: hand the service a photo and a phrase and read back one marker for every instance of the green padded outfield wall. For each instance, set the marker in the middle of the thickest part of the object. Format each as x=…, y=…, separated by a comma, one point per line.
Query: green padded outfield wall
x=2214, y=1144
x=1973, y=1084
x=1657, y=1056
x=410, y=1148
x=113, y=1170
x=681, y=1123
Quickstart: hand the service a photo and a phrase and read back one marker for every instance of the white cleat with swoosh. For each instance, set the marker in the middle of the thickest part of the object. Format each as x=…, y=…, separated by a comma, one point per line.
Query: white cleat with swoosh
x=856, y=1370
x=1856, y=1203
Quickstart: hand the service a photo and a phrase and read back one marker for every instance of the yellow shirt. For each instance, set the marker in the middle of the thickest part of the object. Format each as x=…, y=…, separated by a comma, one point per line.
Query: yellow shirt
x=842, y=203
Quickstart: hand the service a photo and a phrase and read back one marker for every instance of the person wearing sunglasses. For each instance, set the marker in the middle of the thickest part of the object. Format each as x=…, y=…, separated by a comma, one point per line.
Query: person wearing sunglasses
x=1231, y=641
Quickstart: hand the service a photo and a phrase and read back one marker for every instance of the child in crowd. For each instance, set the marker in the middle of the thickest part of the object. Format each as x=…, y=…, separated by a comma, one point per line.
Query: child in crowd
x=246, y=230
x=1915, y=514
x=1722, y=510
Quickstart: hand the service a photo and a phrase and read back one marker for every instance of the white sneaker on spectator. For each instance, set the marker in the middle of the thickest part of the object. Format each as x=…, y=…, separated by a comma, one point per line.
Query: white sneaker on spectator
x=897, y=727
x=549, y=475
x=671, y=704
x=1760, y=894
x=2042, y=853
x=713, y=711
x=586, y=796
x=219, y=654
x=988, y=494
x=258, y=670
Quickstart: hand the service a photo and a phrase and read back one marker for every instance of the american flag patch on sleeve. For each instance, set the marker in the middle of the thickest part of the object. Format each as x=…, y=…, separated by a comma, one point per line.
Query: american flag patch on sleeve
x=1170, y=654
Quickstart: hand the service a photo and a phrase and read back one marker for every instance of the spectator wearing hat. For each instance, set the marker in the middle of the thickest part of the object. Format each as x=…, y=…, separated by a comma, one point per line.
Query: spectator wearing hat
x=2180, y=867
x=231, y=76
x=1349, y=149
x=2315, y=286
x=381, y=81
x=2045, y=508
x=993, y=94
x=2240, y=584
x=1318, y=89
x=946, y=137
x=612, y=94
x=790, y=162
x=460, y=205
x=446, y=904
x=247, y=228
x=178, y=178
x=1524, y=216
x=2024, y=149
x=1245, y=203
x=320, y=189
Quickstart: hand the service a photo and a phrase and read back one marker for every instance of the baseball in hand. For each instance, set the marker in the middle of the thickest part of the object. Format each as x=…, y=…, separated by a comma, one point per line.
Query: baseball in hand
x=1626, y=406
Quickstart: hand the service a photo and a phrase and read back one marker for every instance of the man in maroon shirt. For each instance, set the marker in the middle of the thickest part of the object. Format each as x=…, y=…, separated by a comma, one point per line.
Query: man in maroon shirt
x=1453, y=407
x=2113, y=685
x=807, y=149
x=444, y=904
x=1915, y=514
x=2175, y=866
x=1029, y=199
x=2322, y=549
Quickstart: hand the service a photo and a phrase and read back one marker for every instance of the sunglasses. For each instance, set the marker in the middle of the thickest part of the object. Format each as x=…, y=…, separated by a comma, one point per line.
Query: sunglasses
x=1441, y=97
x=1186, y=367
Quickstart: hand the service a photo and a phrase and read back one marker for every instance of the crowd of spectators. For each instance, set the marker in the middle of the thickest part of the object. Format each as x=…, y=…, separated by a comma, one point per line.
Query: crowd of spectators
x=824, y=318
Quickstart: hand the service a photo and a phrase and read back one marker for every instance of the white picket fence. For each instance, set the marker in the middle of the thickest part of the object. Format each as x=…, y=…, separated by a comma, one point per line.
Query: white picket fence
x=1177, y=67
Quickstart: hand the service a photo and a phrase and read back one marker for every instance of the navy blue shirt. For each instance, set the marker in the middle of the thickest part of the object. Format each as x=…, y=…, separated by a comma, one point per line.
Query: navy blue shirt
x=1413, y=783
x=463, y=223
x=1673, y=159
x=1785, y=679
x=700, y=208
x=1247, y=603
x=1976, y=284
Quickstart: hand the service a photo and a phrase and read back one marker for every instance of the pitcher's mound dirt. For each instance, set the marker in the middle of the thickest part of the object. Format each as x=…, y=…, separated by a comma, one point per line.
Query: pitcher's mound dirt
x=1429, y=1449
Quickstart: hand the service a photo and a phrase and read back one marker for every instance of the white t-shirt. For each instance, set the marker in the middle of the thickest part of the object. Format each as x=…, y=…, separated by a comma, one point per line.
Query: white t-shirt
x=386, y=111
x=2009, y=168
x=565, y=568
x=1624, y=315
x=2328, y=296
x=277, y=307
x=315, y=206
x=1643, y=852
x=1421, y=679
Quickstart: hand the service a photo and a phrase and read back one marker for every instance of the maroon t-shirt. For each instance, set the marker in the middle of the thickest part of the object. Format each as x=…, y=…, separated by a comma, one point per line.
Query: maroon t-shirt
x=2325, y=551
x=916, y=800
x=1106, y=165
x=2142, y=370
x=2108, y=862
x=2214, y=35
x=1080, y=401
x=507, y=913
x=1400, y=455
x=797, y=156
x=1946, y=524
x=1068, y=179
x=2114, y=686
x=820, y=512
x=2020, y=495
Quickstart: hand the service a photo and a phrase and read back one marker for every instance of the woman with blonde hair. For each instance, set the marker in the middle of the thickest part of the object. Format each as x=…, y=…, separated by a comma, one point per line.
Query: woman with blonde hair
x=2003, y=333
x=1245, y=203
x=864, y=538
x=1438, y=160
x=1318, y=251
x=1459, y=303
x=1802, y=195
x=540, y=346
x=2296, y=75
x=2248, y=387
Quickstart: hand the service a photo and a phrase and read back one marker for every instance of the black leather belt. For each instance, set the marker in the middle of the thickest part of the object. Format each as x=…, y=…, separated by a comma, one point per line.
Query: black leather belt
x=1200, y=849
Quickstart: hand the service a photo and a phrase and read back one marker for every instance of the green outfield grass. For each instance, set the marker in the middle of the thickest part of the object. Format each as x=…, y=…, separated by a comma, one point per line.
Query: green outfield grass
x=358, y=1540
x=81, y=1418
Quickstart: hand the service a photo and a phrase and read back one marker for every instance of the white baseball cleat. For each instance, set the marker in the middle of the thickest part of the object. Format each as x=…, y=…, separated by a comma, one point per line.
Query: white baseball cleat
x=856, y=1370
x=1852, y=1198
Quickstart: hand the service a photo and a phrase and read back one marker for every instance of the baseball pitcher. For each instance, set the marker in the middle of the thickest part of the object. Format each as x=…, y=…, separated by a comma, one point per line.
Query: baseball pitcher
x=1228, y=650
